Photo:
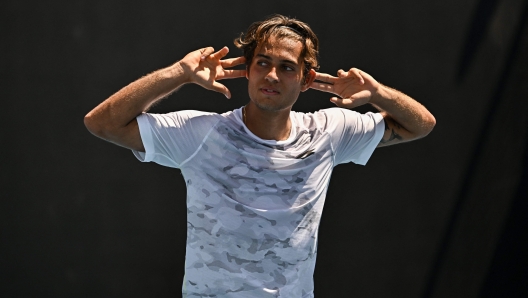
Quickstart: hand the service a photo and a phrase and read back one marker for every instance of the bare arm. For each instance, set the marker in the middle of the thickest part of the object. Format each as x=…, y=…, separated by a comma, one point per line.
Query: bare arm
x=405, y=118
x=114, y=119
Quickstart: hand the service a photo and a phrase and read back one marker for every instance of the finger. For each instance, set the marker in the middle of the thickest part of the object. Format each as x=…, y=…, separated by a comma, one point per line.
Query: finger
x=341, y=73
x=323, y=77
x=206, y=52
x=232, y=62
x=356, y=73
x=233, y=74
x=220, y=54
x=322, y=87
x=220, y=88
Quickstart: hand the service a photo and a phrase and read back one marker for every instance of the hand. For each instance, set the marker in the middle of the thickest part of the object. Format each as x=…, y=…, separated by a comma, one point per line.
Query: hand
x=355, y=87
x=205, y=68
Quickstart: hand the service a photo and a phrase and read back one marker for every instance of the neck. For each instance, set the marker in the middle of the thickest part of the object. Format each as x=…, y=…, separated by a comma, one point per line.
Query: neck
x=267, y=125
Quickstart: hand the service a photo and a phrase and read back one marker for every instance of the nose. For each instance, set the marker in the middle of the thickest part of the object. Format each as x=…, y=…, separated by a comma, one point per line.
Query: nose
x=272, y=75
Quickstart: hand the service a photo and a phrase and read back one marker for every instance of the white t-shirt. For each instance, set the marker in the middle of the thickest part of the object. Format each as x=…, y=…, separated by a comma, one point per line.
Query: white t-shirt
x=254, y=205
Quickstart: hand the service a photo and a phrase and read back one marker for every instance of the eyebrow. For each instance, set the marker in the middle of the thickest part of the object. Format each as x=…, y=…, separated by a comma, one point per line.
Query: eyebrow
x=283, y=60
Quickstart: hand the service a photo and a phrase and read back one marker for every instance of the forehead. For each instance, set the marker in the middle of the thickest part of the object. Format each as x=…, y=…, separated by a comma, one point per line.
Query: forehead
x=284, y=48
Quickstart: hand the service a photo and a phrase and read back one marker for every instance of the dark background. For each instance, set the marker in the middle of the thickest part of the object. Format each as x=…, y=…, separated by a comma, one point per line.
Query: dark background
x=445, y=216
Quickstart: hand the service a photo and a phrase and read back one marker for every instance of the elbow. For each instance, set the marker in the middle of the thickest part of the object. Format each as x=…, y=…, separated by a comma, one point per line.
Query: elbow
x=93, y=125
x=428, y=125
x=431, y=123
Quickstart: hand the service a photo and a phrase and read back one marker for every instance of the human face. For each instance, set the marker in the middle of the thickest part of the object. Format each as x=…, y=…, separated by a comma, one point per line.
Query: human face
x=276, y=74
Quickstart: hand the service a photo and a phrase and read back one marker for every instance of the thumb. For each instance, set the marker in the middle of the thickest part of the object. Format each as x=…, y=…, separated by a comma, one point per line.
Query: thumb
x=361, y=95
x=337, y=101
x=205, y=52
x=344, y=102
x=220, y=88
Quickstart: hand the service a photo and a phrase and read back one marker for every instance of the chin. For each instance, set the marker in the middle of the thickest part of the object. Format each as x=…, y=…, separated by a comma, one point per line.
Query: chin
x=269, y=106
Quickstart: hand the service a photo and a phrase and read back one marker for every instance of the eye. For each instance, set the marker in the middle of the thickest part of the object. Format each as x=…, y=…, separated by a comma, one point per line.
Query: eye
x=288, y=68
x=262, y=63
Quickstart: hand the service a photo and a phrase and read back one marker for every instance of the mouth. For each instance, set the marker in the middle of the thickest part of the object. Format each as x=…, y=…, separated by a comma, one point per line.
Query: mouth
x=269, y=91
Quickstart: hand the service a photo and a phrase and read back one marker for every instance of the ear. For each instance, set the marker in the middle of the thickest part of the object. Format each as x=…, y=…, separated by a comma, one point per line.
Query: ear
x=308, y=80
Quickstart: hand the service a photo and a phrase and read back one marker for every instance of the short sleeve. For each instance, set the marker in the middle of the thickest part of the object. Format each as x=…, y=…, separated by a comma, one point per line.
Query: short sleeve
x=170, y=139
x=355, y=136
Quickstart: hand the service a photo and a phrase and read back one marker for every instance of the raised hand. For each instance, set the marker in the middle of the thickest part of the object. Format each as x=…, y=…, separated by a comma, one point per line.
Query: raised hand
x=354, y=87
x=205, y=67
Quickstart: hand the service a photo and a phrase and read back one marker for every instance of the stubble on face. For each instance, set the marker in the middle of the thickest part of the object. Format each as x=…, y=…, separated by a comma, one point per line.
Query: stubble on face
x=275, y=74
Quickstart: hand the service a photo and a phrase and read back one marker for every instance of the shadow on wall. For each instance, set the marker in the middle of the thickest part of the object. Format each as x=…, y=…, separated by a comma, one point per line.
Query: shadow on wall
x=509, y=270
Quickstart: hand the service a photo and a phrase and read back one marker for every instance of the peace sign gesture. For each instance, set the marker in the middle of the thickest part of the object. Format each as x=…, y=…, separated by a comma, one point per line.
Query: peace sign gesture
x=354, y=87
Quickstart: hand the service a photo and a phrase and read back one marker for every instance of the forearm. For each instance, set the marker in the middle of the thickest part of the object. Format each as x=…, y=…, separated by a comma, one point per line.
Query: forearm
x=415, y=120
x=124, y=106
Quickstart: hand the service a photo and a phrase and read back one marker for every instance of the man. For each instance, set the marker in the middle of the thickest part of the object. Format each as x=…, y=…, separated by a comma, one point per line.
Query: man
x=257, y=177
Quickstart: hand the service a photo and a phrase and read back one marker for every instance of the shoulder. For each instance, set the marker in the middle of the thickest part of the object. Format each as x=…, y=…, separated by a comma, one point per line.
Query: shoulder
x=311, y=121
x=331, y=118
x=180, y=118
x=340, y=114
x=346, y=117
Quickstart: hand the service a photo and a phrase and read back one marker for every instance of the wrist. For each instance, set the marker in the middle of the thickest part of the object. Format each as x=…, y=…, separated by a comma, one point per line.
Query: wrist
x=176, y=72
x=379, y=94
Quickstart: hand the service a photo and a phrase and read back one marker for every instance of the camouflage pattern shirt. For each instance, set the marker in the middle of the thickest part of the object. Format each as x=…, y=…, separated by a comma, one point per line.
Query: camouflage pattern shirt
x=254, y=205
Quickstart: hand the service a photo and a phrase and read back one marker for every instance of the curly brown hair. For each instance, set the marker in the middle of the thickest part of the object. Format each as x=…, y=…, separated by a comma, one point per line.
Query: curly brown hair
x=280, y=26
